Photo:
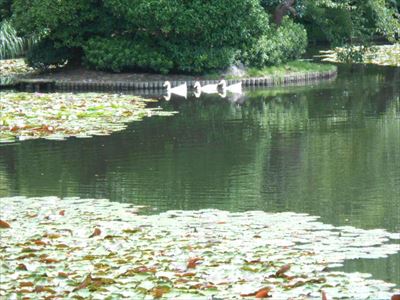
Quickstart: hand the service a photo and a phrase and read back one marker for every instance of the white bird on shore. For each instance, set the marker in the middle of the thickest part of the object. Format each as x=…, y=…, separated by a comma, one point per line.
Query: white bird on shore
x=233, y=88
x=206, y=89
x=180, y=90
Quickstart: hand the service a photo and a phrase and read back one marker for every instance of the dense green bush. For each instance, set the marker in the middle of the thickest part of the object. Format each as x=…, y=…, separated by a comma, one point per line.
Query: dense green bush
x=155, y=35
x=278, y=46
x=119, y=54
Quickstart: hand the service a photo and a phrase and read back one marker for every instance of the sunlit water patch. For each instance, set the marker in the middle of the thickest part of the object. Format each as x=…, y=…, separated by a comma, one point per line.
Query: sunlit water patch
x=59, y=115
x=80, y=248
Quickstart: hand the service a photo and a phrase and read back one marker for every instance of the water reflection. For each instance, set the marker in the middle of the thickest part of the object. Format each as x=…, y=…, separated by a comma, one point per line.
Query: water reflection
x=332, y=149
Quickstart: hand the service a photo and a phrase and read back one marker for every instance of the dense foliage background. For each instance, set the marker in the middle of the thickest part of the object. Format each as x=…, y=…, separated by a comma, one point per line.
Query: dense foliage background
x=194, y=36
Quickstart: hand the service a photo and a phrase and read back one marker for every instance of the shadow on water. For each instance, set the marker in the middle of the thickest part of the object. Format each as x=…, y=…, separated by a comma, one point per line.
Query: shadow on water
x=331, y=149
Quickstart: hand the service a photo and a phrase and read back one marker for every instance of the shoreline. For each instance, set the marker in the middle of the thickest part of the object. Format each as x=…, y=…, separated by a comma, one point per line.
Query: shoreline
x=101, y=84
x=73, y=78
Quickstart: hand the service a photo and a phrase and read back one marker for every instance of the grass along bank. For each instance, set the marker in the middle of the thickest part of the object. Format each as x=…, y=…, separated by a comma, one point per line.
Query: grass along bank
x=293, y=67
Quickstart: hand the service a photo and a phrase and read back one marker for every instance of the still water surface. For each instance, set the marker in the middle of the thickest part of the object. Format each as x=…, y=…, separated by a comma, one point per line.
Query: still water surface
x=331, y=149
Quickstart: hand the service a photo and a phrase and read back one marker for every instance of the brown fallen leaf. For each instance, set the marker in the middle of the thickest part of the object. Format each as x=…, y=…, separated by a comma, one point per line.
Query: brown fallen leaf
x=62, y=275
x=41, y=289
x=263, y=293
x=39, y=243
x=62, y=212
x=158, y=292
x=52, y=236
x=186, y=275
x=4, y=224
x=282, y=270
x=49, y=260
x=87, y=281
x=22, y=267
x=192, y=263
x=30, y=255
x=395, y=297
x=323, y=294
x=26, y=284
x=96, y=232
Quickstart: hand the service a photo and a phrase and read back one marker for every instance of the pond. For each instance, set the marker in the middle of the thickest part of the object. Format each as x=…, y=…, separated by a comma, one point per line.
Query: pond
x=331, y=150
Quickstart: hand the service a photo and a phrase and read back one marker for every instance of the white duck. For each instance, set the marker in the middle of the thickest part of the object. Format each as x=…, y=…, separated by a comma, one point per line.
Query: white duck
x=206, y=89
x=233, y=88
x=180, y=90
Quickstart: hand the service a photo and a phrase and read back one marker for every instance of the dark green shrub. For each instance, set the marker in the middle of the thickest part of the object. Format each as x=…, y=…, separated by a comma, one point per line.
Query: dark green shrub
x=5, y=9
x=118, y=54
x=44, y=54
x=155, y=35
x=279, y=45
x=197, y=36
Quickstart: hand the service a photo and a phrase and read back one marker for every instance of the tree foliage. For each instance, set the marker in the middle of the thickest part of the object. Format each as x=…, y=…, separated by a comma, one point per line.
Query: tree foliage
x=194, y=36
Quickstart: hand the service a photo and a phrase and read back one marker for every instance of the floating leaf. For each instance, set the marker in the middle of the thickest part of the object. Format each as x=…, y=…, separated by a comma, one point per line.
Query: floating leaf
x=192, y=263
x=56, y=116
x=96, y=232
x=282, y=270
x=241, y=259
x=263, y=293
x=4, y=224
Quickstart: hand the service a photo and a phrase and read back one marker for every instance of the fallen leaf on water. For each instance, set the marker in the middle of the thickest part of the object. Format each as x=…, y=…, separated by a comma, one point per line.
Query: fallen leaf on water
x=324, y=297
x=49, y=260
x=96, y=232
x=4, y=224
x=62, y=274
x=263, y=293
x=396, y=297
x=52, y=236
x=282, y=271
x=186, y=275
x=39, y=243
x=158, y=292
x=41, y=289
x=26, y=284
x=192, y=263
x=62, y=212
x=84, y=284
x=22, y=267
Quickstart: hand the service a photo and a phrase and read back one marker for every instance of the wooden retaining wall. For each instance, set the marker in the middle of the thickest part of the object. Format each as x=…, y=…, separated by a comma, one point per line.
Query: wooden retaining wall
x=110, y=86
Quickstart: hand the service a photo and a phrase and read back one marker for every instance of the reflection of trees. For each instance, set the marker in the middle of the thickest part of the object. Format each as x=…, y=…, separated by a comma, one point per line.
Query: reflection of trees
x=298, y=148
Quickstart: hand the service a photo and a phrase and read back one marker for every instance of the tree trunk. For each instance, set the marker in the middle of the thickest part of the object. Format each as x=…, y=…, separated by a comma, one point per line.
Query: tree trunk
x=282, y=9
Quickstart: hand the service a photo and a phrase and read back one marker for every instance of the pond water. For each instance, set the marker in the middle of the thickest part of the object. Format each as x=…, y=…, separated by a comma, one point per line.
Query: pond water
x=331, y=149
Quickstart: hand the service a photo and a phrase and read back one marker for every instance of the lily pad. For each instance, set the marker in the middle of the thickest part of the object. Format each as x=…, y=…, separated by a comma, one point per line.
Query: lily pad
x=57, y=116
x=71, y=248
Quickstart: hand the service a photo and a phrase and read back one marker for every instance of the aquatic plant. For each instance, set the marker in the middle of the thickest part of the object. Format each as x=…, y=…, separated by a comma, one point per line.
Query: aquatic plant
x=61, y=115
x=79, y=248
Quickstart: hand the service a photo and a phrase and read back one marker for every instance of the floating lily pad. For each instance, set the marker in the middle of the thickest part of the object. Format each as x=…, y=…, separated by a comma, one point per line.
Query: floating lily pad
x=57, y=116
x=71, y=248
